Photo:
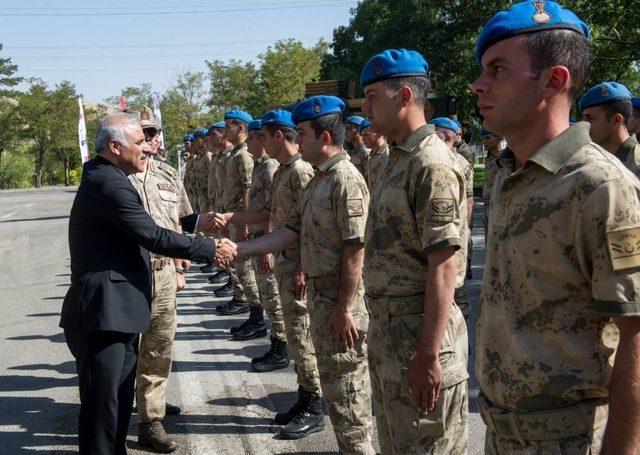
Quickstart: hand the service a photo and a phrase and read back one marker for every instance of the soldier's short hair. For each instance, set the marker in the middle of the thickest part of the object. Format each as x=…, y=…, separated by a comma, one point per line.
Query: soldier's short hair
x=289, y=133
x=419, y=86
x=112, y=127
x=549, y=48
x=335, y=124
x=622, y=107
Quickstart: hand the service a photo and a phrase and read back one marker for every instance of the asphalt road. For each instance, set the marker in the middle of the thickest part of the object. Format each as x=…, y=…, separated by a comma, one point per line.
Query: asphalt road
x=226, y=408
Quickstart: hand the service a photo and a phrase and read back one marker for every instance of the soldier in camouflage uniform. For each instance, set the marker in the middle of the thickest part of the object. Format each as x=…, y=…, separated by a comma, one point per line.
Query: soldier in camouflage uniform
x=293, y=174
x=201, y=172
x=379, y=156
x=165, y=199
x=417, y=335
x=358, y=152
x=493, y=146
x=188, y=172
x=235, y=198
x=557, y=332
x=608, y=109
x=634, y=122
x=462, y=148
x=447, y=130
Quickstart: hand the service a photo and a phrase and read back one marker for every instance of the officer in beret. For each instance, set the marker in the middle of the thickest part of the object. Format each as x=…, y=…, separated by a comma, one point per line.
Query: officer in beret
x=279, y=134
x=494, y=146
x=461, y=147
x=379, y=155
x=199, y=164
x=417, y=335
x=357, y=151
x=557, y=334
x=164, y=197
x=634, y=122
x=608, y=109
x=329, y=222
x=188, y=139
x=448, y=130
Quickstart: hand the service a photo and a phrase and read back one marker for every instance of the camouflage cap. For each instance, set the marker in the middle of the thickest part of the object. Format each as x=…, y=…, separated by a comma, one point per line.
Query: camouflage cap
x=146, y=118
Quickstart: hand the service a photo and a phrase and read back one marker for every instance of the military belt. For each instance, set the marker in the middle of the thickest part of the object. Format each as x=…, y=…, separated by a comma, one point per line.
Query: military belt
x=547, y=425
x=159, y=263
x=395, y=305
x=324, y=282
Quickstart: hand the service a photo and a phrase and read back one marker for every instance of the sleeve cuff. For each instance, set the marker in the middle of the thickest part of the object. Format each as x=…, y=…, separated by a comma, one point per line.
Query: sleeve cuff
x=614, y=309
x=292, y=229
x=359, y=240
x=454, y=242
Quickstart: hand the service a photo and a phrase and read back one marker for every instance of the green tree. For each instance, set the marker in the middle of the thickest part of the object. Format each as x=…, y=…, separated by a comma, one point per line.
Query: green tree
x=136, y=98
x=232, y=85
x=284, y=71
x=8, y=126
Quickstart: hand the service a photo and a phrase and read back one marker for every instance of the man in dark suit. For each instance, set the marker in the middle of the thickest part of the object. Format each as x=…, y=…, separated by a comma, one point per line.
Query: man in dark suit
x=107, y=305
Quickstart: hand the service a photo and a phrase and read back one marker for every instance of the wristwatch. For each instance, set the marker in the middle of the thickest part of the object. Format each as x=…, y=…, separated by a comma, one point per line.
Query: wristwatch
x=180, y=270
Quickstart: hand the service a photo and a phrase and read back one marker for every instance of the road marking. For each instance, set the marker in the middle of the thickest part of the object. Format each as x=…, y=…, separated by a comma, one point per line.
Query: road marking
x=8, y=214
x=30, y=204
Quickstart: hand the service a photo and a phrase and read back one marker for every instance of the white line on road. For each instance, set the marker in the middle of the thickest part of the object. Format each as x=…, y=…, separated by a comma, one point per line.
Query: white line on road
x=8, y=214
x=30, y=204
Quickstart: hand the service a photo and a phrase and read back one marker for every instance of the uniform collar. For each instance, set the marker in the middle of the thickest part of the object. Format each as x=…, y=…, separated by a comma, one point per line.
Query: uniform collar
x=293, y=159
x=415, y=138
x=239, y=147
x=627, y=148
x=381, y=150
x=329, y=163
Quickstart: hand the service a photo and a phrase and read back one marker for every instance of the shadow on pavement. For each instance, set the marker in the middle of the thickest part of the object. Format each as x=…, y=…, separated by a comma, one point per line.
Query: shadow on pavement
x=62, y=368
x=188, y=365
x=57, y=338
x=44, y=218
x=42, y=315
x=19, y=383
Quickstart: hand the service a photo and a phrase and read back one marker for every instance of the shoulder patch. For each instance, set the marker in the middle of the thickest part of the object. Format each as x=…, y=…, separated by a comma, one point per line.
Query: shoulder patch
x=624, y=248
x=167, y=187
x=442, y=210
x=168, y=169
x=355, y=207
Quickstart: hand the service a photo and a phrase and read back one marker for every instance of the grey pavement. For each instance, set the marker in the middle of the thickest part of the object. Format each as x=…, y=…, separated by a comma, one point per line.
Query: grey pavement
x=226, y=408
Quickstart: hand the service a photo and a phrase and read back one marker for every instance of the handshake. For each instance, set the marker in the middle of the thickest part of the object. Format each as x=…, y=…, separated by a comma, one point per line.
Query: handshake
x=226, y=253
x=213, y=221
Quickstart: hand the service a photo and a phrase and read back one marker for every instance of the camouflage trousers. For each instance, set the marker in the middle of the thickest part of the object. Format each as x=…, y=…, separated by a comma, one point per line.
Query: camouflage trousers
x=577, y=445
x=203, y=202
x=296, y=325
x=394, y=332
x=156, y=347
x=344, y=374
x=270, y=300
x=243, y=276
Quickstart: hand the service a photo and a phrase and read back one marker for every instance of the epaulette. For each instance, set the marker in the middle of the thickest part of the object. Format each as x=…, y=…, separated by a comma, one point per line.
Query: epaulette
x=167, y=169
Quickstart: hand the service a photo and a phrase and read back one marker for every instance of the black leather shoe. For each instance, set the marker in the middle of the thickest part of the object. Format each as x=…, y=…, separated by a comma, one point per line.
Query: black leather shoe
x=277, y=358
x=225, y=305
x=172, y=409
x=308, y=420
x=209, y=268
x=251, y=331
x=255, y=315
x=225, y=291
x=221, y=277
x=234, y=307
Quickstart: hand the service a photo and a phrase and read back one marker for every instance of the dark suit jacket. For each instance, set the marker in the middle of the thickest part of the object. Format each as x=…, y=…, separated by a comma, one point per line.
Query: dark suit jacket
x=110, y=236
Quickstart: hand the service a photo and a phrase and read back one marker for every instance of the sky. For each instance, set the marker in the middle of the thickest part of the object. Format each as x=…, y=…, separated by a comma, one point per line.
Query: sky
x=103, y=47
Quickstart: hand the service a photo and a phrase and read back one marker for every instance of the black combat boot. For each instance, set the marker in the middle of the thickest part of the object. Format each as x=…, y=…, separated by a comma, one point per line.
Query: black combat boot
x=257, y=329
x=221, y=277
x=308, y=420
x=283, y=418
x=225, y=291
x=233, y=307
x=256, y=314
x=276, y=358
x=209, y=268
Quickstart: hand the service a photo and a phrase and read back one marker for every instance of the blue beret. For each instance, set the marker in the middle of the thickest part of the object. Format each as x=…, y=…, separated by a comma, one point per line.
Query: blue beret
x=316, y=107
x=484, y=132
x=603, y=93
x=217, y=125
x=635, y=102
x=355, y=120
x=528, y=17
x=255, y=125
x=278, y=117
x=200, y=133
x=366, y=123
x=447, y=123
x=237, y=114
x=393, y=63
x=188, y=138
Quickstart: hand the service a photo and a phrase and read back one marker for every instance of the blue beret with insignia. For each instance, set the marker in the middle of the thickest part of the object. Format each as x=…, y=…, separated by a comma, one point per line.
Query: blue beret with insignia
x=238, y=114
x=366, y=123
x=528, y=17
x=202, y=132
x=255, y=125
x=355, y=120
x=446, y=123
x=316, y=107
x=217, y=125
x=278, y=117
x=188, y=138
x=635, y=102
x=393, y=63
x=603, y=93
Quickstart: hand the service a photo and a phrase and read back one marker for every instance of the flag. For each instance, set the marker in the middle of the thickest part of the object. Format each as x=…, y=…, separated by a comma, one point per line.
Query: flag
x=82, y=133
x=123, y=103
x=158, y=116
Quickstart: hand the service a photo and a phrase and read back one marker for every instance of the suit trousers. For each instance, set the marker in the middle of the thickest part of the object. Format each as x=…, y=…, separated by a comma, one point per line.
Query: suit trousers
x=106, y=366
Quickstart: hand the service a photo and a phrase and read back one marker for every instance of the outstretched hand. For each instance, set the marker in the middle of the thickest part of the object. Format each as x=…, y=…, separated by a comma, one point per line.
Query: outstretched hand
x=226, y=253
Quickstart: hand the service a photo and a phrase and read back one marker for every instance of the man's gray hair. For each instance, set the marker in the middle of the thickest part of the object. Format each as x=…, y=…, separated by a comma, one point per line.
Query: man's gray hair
x=112, y=127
